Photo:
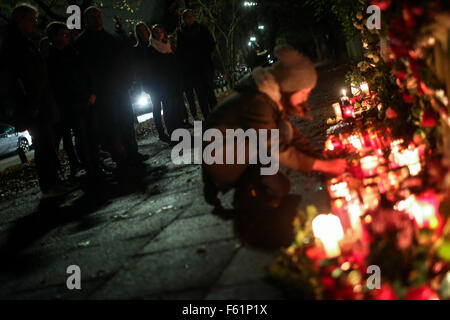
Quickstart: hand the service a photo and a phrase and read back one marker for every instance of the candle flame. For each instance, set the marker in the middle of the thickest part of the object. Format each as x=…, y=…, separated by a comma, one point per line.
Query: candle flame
x=422, y=210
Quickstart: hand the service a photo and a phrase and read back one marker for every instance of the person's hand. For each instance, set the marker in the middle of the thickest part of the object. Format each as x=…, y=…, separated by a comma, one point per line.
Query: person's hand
x=331, y=167
x=92, y=99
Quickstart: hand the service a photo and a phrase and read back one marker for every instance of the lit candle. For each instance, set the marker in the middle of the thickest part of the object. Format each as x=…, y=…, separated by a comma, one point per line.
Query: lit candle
x=371, y=197
x=354, y=213
x=328, y=229
x=355, y=141
x=423, y=209
x=369, y=165
x=410, y=158
x=365, y=88
x=338, y=189
x=349, y=112
x=345, y=101
x=337, y=111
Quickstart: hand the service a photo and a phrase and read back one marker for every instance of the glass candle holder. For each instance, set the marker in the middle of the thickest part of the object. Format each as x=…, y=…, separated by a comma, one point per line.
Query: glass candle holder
x=371, y=197
x=369, y=165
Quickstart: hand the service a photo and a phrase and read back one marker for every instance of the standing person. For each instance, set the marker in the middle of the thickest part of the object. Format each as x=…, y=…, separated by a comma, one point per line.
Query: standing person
x=140, y=53
x=36, y=110
x=58, y=61
x=106, y=60
x=164, y=83
x=195, y=48
x=75, y=100
x=267, y=100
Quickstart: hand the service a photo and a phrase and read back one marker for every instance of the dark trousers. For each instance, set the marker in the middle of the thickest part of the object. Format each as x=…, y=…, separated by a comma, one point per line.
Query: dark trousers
x=45, y=155
x=264, y=210
x=63, y=131
x=190, y=95
x=202, y=83
x=110, y=126
x=173, y=107
x=88, y=141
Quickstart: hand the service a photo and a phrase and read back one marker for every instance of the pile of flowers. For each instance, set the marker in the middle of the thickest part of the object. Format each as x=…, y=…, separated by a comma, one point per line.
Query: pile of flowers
x=389, y=213
x=387, y=233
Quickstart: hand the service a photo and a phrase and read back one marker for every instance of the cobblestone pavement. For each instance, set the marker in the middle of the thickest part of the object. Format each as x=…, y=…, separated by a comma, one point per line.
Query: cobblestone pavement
x=158, y=242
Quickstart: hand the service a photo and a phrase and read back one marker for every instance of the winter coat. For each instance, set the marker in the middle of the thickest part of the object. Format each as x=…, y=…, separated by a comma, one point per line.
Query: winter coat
x=24, y=82
x=69, y=80
x=107, y=60
x=195, y=48
x=255, y=104
x=164, y=74
x=140, y=54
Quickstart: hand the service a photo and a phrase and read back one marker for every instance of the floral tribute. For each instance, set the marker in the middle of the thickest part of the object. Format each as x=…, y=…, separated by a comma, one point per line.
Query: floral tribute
x=387, y=233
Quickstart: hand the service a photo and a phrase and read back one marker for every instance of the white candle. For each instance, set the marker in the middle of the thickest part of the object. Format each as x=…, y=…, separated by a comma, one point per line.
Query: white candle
x=365, y=88
x=337, y=111
x=328, y=229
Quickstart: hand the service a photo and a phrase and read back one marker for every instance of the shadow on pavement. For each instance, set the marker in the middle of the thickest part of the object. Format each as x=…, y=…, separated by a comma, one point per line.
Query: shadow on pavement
x=51, y=214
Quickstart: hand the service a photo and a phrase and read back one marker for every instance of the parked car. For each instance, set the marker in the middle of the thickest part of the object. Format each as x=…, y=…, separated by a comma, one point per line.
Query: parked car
x=11, y=141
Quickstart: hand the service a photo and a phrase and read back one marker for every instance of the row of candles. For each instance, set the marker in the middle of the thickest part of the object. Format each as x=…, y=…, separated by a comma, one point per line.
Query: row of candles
x=372, y=176
x=344, y=109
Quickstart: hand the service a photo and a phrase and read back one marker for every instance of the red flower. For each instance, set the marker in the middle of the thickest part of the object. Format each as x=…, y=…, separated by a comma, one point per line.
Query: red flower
x=384, y=293
x=421, y=293
x=401, y=75
x=328, y=282
x=316, y=254
x=382, y=4
x=391, y=113
x=429, y=118
x=407, y=98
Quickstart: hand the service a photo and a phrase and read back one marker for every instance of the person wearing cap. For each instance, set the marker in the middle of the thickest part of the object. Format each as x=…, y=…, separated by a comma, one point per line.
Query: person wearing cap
x=268, y=99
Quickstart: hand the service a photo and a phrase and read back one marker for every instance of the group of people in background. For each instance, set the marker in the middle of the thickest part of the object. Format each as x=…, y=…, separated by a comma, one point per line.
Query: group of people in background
x=80, y=87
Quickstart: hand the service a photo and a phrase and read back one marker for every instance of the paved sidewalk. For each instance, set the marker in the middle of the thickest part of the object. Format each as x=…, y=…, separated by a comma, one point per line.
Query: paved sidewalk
x=159, y=243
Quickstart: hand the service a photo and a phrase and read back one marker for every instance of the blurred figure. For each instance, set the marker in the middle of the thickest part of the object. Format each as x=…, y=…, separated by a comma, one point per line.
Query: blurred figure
x=75, y=100
x=165, y=84
x=195, y=48
x=57, y=64
x=140, y=52
x=44, y=47
x=106, y=59
x=36, y=110
x=266, y=100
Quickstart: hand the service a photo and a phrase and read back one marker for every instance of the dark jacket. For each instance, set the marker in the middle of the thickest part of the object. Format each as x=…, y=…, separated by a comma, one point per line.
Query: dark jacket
x=69, y=81
x=163, y=75
x=24, y=81
x=245, y=109
x=195, y=48
x=140, y=56
x=107, y=60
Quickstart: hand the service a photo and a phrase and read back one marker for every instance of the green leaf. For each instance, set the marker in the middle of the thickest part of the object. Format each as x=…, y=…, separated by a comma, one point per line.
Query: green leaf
x=444, y=251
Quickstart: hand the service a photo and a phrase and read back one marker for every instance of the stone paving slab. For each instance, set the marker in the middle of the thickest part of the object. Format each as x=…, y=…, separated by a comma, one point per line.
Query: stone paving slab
x=170, y=271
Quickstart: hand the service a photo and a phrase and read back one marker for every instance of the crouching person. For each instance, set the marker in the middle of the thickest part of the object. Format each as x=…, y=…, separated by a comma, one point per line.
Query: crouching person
x=266, y=100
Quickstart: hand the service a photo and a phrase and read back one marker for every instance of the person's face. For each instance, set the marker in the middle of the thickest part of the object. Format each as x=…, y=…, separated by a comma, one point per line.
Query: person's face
x=94, y=20
x=62, y=39
x=296, y=103
x=143, y=34
x=189, y=19
x=159, y=34
x=27, y=23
